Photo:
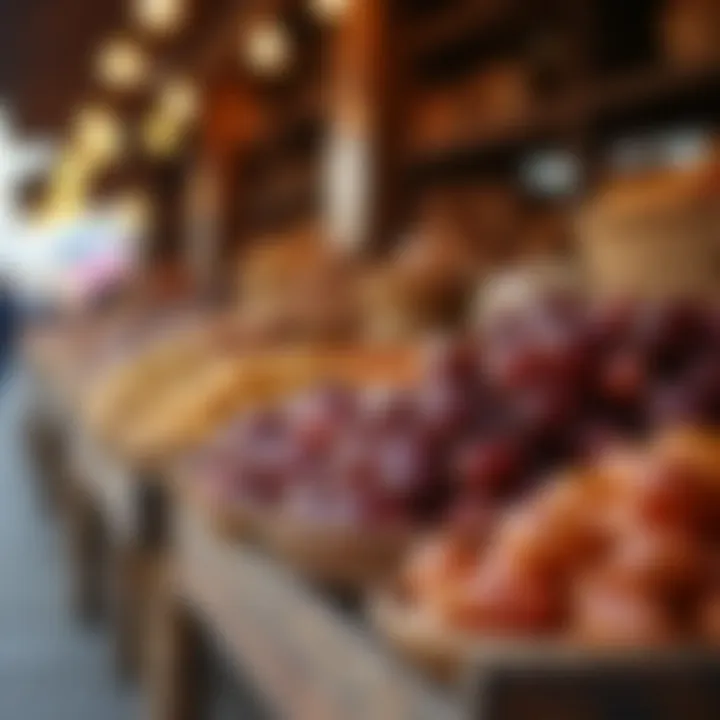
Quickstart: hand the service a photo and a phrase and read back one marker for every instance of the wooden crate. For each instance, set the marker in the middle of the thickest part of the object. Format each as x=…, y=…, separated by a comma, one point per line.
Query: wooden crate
x=311, y=659
x=308, y=658
x=540, y=684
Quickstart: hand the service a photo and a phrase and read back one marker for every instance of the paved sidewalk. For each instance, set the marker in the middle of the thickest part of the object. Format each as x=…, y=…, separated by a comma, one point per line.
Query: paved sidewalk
x=51, y=668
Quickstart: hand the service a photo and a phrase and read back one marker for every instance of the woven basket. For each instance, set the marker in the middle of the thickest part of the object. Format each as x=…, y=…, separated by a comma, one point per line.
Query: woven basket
x=343, y=558
x=234, y=521
x=451, y=656
x=417, y=638
x=655, y=238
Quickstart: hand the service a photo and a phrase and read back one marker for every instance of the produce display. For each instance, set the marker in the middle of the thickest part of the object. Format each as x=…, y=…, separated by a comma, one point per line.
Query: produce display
x=553, y=476
x=623, y=552
x=176, y=394
x=489, y=418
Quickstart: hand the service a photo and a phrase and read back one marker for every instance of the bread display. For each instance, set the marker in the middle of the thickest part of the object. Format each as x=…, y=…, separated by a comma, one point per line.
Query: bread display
x=131, y=382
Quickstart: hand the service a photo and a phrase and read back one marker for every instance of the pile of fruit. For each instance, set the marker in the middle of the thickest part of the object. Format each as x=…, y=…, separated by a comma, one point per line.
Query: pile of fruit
x=625, y=552
x=491, y=417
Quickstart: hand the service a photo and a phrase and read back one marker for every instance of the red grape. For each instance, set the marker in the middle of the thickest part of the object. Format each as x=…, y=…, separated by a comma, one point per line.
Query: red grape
x=489, y=466
x=623, y=378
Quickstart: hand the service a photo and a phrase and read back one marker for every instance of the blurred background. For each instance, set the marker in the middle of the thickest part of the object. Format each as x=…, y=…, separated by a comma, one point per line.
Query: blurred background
x=202, y=129
x=273, y=174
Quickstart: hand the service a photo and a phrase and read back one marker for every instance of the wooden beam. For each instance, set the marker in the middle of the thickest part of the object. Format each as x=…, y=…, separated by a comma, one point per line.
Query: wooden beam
x=363, y=193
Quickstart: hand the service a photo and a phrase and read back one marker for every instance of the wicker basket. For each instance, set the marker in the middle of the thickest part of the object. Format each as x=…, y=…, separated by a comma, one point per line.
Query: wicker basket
x=655, y=237
x=234, y=521
x=343, y=558
x=452, y=656
x=417, y=638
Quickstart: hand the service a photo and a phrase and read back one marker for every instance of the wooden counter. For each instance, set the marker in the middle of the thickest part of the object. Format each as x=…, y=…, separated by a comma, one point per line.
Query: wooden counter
x=308, y=657
x=178, y=581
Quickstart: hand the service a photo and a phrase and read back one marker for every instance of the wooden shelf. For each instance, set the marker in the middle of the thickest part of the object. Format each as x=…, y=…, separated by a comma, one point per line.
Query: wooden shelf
x=310, y=656
x=307, y=657
x=278, y=211
x=640, y=91
x=443, y=28
x=649, y=86
x=543, y=122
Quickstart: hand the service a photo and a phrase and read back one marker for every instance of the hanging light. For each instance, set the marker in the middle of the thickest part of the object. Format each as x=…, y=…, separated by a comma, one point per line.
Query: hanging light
x=179, y=101
x=176, y=107
x=161, y=135
x=134, y=207
x=68, y=185
x=329, y=10
x=160, y=17
x=121, y=64
x=99, y=133
x=267, y=47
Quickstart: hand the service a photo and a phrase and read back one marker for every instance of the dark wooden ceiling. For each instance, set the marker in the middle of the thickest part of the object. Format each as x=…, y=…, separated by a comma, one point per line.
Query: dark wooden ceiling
x=46, y=51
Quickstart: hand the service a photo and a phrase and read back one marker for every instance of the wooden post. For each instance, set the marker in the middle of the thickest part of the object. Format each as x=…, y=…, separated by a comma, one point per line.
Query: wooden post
x=49, y=467
x=127, y=596
x=204, y=229
x=230, y=119
x=85, y=553
x=175, y=672
x=364, y=194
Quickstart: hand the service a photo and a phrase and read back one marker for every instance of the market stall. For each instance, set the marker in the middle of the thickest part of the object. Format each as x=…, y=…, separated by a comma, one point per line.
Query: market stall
x=448, y=447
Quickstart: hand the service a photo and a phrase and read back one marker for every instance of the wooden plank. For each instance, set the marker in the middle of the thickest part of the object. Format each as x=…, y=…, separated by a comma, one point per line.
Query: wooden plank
x=555, y=120
x=108, y=482
x=549, y=121
x=576, y=684
x=130, y=508
x=308, y=659
x=646, y=86
x=175, y=674
x=448, y=25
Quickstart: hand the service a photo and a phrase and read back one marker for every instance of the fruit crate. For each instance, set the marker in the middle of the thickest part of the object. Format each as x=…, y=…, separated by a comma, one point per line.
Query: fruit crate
x=307, y=654
x=312, y=657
